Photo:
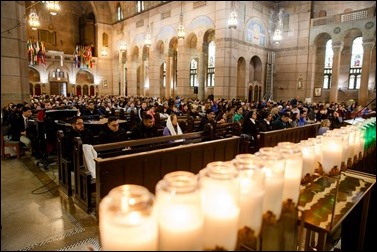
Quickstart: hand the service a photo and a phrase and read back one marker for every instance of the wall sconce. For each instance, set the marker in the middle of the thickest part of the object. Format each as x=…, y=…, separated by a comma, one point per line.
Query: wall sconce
x=104, y=51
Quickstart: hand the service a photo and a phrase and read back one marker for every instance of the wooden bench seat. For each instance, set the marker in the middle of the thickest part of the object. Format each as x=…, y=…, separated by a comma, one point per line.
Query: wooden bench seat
x=84, y=182
x=147, y=168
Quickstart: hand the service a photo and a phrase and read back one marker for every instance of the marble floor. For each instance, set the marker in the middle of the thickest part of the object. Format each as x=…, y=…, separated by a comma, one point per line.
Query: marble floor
x=37, y=216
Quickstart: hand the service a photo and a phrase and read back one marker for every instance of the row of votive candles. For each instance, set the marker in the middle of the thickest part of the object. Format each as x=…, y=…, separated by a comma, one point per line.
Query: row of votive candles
x=207, y=211
x=203, y=211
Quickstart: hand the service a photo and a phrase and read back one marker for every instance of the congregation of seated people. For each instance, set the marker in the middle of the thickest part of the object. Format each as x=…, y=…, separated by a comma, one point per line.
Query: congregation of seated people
x=151, y=114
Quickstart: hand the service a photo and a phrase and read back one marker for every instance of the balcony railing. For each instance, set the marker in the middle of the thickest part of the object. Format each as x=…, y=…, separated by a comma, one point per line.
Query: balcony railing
x=345, y=17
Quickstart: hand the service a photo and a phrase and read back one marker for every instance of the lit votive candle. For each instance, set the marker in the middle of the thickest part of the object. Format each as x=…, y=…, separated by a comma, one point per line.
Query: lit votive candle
x=331, y=152
x=179, y=211
x=126, y=220
x=220, y=203
x=273, y=168
x=251, y=178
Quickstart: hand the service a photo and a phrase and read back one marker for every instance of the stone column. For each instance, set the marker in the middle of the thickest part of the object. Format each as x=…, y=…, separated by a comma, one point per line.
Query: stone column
x=201, y=73
x=367, y=57
x=337, y=47
x=168, y=75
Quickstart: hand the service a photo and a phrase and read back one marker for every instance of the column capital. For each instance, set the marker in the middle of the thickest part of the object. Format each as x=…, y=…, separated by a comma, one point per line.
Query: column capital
x=368, y=45
x=337, y=46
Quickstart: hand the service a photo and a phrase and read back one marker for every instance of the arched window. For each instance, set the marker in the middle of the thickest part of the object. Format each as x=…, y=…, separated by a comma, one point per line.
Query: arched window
x=211, y=64
x=105, y=39
x=327, y=72
x=356, y=64
x=139, y=6
x=119, y=12
x=193, y=73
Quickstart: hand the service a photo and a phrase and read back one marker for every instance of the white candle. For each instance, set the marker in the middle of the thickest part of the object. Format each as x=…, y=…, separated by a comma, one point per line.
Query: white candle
x=251, y=178
x=273, y=167
x=293, y=172
x=181, y=228
x=331, y=154
x=126, y=220
x=220, y=203
x=180, y=215
x=308, y=156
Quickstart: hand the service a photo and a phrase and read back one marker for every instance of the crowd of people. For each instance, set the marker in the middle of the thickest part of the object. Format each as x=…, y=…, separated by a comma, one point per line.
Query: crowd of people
x=254, y=117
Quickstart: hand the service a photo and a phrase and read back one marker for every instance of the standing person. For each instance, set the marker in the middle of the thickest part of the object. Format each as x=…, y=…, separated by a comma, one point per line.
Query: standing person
x=19, y=128
x=112, y=132
x=77, y=130
x=145, y=128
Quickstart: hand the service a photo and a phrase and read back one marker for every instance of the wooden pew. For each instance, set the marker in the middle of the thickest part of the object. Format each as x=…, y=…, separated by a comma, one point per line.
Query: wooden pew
x=147, y=168
x=84, y=182
x=221, y=130
x=272, y=138
x=64, y=166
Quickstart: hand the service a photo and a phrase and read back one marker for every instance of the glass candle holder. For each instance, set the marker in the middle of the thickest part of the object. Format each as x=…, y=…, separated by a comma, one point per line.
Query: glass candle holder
x=273, y=167
x=331, y=153
x=220, y=203
x=179, y=211
x=127, y=221
x=251, y=178
x=308, y=155
x=293, y=171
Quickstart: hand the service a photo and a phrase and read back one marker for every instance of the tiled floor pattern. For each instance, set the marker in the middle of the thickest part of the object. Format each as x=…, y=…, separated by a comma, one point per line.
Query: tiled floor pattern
x=36, y=216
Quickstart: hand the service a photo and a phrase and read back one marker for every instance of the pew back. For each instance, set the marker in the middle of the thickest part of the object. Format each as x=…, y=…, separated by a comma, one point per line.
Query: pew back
x=295, y=135
x=147, y=168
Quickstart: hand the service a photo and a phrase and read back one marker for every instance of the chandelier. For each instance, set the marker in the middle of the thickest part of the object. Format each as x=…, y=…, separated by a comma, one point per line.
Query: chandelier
x=276, y=24
x=53, y=7
x=232, y=20
x=148, y=39
x=33, y=19
x=181, y=28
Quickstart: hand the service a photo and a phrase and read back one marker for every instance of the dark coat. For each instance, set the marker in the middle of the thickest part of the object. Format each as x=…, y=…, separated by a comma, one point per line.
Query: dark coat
x=264, y=127
x=140, y=131
x=108, y=136
x=86, y=136
x=17, y=126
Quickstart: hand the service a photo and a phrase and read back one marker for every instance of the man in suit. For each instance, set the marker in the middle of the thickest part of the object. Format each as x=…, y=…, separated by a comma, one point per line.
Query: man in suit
x=19, y=128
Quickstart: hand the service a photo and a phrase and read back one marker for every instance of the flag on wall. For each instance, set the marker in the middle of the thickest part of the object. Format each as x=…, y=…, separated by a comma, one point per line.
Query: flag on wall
x=36, y=52
x=83, y=57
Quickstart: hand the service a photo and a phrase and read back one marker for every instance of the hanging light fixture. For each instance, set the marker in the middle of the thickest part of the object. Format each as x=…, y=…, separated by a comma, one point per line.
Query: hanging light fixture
x=232, y=20
x=53, y=7
x=181, y=28
x=148, y=40
x=277, y=25
x=33, y=19
x=122, y=46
